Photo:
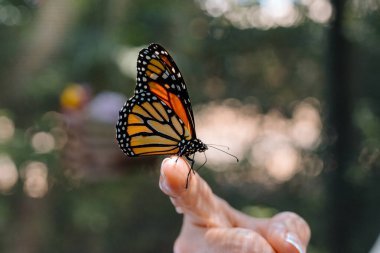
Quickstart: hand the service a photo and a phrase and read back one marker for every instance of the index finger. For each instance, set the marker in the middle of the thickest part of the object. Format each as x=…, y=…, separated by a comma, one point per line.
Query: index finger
x=197, y=201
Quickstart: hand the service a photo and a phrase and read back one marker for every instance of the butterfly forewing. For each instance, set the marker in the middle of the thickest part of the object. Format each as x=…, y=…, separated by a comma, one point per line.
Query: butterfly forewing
x=158, y=73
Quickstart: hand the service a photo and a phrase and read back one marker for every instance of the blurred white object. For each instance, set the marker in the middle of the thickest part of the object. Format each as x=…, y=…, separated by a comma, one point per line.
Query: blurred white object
x=105, y=107
x=376, y=246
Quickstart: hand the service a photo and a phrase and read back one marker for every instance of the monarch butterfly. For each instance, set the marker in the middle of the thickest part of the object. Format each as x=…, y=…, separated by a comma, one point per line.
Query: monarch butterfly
x=158, y=119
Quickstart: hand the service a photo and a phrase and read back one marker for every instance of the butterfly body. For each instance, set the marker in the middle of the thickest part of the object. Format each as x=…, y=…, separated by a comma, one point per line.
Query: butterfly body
x=158, y=119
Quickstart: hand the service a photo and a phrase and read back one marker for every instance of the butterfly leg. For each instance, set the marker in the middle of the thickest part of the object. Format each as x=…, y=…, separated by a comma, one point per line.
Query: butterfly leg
x=190, y=170
x=181, y=153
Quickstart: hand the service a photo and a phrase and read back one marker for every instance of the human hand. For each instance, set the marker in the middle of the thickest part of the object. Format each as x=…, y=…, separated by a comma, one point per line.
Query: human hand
x=210, y=224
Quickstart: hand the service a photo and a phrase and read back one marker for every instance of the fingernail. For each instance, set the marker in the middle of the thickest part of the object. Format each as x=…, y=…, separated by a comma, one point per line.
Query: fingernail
x=165, y=161
x=163, y=185
x=178, y=210
x=293, y=240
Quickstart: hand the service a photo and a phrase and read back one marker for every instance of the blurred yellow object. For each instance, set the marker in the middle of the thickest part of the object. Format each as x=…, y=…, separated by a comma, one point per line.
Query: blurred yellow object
x=74, y=97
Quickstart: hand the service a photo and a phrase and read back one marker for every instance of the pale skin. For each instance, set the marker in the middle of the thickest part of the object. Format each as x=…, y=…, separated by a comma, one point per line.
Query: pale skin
x=211, y=225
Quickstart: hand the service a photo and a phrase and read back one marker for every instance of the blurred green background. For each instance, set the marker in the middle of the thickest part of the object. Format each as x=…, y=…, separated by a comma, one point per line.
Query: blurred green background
x=291, y=86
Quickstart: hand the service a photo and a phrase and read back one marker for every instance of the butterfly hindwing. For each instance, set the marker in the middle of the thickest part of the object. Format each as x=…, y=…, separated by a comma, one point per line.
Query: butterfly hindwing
x=147, y=126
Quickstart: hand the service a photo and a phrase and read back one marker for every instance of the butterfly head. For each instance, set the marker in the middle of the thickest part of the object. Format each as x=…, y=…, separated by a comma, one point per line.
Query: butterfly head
x=195, y=145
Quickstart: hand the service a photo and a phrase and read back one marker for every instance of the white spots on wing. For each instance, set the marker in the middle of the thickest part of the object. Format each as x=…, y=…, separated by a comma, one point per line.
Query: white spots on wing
x=144, y=79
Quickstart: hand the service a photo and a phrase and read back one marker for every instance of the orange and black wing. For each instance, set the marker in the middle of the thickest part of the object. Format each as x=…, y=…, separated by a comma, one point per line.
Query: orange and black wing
x=158, y=73
x=159, y=116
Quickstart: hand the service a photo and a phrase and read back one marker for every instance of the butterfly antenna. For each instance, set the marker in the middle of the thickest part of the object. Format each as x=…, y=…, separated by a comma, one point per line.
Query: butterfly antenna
x=221, y=150
x=218, y=145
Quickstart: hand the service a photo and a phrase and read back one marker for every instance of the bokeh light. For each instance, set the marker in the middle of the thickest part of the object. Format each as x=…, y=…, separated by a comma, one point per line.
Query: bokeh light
x=43, y=142
x=306, y=125
x=266, y=14
x=272, y=143
x=7, y=129
x=8, y=173
x=320, y=11
x=126, y=60
x=230, y=124
x=60, y=137
x=74, y=97
x=10, y=15
x=35, y=175
x=282, y=162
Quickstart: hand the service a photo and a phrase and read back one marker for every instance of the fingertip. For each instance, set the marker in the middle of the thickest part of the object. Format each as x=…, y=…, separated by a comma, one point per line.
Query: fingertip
x=173, y=177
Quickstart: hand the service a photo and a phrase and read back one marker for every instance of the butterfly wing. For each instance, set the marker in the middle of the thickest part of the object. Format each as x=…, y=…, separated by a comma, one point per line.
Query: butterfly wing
x=148, y=127
x=157, y=73
x=159, y=116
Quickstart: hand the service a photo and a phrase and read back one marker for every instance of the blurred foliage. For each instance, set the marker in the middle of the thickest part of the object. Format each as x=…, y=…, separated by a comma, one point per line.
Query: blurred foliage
x=46, y=45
